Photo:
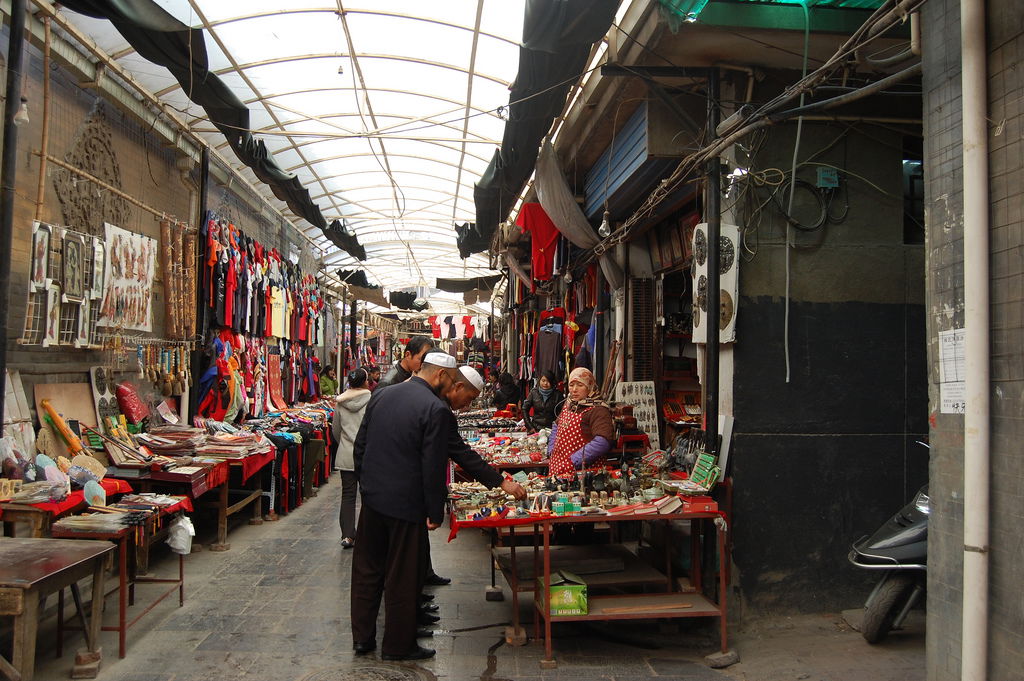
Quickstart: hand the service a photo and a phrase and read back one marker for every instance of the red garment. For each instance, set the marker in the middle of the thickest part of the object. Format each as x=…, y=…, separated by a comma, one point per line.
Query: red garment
x=435, y=327
x=470, y=329
x=544, y=236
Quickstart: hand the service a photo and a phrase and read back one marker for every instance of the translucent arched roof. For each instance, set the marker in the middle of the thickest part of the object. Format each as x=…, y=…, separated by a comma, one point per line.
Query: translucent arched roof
x=388, y=112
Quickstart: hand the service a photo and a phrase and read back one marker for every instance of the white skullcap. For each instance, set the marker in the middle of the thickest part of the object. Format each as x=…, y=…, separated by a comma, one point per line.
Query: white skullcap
x=471, y=376
x=439, y=358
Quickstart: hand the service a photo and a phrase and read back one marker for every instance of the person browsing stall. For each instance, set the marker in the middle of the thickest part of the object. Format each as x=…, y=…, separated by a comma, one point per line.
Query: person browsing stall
x=582, y=435
x=410, y=362
x=400, y=452
x=329, y=382
x=374, y=377
x=543, y=402
x=462, y=391
x=348, y=415
x=507, y=391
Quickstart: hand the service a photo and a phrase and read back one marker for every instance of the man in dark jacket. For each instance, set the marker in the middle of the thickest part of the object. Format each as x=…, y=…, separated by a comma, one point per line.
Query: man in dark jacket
x=410, y=362
x=400, y=454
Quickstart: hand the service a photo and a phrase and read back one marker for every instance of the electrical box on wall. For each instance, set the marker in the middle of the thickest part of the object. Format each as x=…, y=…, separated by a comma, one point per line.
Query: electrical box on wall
x=828, y=178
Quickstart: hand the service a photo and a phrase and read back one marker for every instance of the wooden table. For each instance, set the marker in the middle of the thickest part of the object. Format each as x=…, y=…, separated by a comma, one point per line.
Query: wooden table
x=33, y=568
x=127, y=578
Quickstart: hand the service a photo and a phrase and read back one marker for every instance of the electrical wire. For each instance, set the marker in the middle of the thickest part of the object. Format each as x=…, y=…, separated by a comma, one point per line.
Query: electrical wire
x=793, y=182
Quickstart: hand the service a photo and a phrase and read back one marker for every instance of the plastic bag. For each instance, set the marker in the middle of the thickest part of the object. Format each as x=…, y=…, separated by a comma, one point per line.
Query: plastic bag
x=132, y=406
x=180, y=533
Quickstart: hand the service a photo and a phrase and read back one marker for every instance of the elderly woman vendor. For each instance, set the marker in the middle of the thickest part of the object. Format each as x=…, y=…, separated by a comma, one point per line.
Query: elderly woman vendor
x=582, y=434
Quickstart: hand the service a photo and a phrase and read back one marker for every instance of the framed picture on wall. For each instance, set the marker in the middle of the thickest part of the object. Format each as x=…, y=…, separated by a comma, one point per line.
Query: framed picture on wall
x=655, y=249
x=686, y=227
x=51, y=325
x=73, y=275
x=676, y=245
x=41, y=236
x=98, y=262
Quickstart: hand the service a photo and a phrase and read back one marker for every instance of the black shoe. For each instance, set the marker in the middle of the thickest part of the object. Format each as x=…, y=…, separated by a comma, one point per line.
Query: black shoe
x=362, y=648
x=426, y=597
x=423, y=632
x=426, y=618
x=419, y=653
x=437, y=580
x=429, y=607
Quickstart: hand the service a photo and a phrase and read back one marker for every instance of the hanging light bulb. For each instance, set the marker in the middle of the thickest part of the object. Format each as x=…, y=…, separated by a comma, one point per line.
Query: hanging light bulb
x=21, y=118
x=605, y=229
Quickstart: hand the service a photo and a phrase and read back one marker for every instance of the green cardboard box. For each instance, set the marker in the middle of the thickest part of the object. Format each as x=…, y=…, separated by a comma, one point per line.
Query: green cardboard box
x=568, y=594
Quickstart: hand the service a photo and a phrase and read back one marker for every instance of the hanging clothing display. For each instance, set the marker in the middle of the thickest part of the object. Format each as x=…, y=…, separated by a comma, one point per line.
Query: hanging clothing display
x=543, y=238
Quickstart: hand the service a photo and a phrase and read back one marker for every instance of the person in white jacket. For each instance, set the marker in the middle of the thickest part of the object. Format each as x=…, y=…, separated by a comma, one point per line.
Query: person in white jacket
x=348, y=415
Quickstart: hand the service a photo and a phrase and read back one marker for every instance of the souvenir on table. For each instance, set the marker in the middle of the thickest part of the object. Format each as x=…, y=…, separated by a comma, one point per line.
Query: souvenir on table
x=95, y=495
x=40, y=253
x=128, y=286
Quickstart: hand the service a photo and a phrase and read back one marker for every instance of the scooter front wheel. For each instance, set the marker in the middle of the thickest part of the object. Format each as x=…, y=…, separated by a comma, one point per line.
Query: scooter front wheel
x=881, y=611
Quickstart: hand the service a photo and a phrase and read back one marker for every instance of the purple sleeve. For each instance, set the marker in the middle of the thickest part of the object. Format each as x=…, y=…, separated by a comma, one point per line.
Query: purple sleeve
x=551, y=437
x=595, y=449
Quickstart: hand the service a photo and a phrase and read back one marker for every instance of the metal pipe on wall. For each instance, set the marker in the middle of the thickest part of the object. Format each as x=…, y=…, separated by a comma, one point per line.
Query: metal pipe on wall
x=8, y=167
x=202, y=322
x=976, y=467
x=713, y=215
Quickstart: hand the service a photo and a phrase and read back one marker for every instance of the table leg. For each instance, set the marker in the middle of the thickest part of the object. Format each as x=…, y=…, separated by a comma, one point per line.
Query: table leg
x=25, y=626
x=549, y=661
x=122, y=596
x=256, y=504
x=181, y=580
x=722, y=588
x=60, y=622
x=87, y=662
x=536, y=567
x=222, y=520
x=695, y=555
x=517, y=636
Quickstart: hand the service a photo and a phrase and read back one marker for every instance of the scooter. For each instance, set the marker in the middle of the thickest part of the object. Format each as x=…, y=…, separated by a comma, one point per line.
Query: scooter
x=899, y=550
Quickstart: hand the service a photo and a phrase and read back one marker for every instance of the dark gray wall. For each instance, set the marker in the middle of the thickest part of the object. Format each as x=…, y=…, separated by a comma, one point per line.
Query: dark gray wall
x=828, y=456
x=943, y=172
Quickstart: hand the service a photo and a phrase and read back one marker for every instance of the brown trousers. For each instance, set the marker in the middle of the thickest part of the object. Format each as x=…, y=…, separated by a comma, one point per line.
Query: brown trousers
x=387, y=561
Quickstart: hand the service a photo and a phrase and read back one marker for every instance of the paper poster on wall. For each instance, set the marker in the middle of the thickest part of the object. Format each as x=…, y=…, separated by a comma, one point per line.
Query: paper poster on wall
x=640, y=394
x=952, y=371
x=128, y=290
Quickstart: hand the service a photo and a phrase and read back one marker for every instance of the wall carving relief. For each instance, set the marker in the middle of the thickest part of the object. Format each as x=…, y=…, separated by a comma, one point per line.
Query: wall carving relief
x=84, y=205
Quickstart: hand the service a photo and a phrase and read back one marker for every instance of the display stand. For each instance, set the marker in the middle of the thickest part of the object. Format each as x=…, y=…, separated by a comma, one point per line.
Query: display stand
x=635, y=606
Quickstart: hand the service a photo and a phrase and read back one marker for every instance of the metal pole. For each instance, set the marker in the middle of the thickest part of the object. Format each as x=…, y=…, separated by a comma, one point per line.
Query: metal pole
x=352, y=335
x=713, y=215
x=202, y=321
x=8, y=167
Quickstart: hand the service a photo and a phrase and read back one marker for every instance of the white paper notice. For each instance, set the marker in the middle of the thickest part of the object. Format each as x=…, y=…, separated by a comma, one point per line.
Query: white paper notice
x=952, y=371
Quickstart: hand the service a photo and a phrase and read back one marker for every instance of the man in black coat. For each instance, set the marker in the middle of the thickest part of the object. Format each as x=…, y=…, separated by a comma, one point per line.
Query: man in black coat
x=400, y=454
x=410, y=363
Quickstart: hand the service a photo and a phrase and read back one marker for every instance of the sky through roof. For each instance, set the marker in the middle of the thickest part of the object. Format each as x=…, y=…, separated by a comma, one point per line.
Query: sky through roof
x=387, y=112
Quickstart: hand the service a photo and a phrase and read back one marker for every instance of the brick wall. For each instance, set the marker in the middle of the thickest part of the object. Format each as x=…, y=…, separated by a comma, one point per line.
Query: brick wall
x=147, y=172
x=943, y=173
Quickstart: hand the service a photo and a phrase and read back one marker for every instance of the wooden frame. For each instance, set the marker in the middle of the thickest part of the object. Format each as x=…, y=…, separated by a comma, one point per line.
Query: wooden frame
x=73, y=267
x=41, y=236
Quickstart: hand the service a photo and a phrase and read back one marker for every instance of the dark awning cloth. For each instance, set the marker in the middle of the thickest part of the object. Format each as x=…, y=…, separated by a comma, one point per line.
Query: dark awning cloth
x=163, y=40
x=463, y=285
x=405, y=301
x=370, y=295
x=557, y=37
x=355, y=278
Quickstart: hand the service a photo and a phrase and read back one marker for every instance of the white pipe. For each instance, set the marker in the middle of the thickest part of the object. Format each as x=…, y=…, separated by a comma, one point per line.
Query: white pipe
x=974, y=96
x=915, y=34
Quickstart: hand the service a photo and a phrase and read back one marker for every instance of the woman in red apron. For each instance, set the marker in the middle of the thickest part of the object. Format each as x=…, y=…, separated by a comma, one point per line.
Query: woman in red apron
x=582, y=434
